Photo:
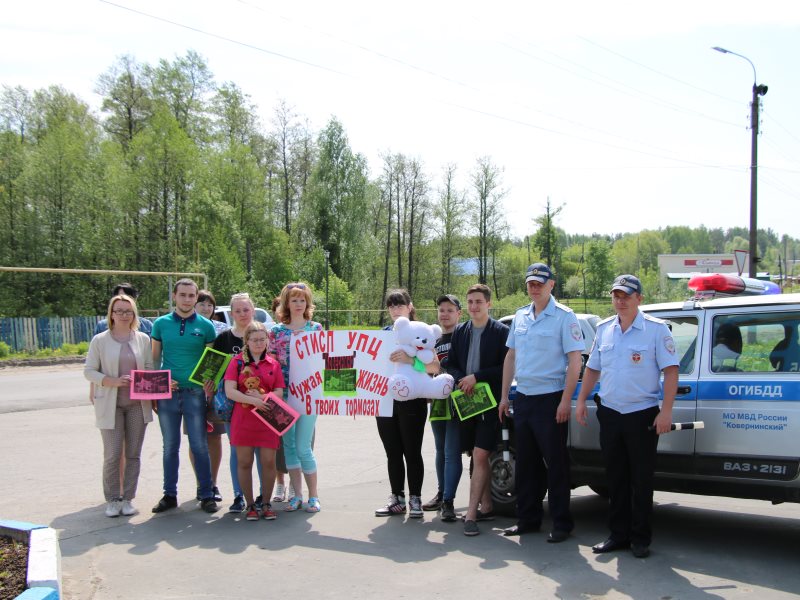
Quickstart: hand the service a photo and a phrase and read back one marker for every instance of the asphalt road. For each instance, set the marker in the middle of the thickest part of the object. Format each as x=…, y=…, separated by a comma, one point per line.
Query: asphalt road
x=50, y=460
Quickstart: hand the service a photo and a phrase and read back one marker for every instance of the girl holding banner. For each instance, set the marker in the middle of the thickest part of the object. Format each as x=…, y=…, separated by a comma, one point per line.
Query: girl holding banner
x=247, y=431
x=294, y=316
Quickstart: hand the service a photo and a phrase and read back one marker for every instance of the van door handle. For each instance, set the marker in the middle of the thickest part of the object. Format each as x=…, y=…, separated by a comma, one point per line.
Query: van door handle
x=684, y=389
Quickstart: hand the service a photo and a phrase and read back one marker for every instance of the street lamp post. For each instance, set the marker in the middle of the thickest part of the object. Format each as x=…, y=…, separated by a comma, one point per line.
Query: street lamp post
x=327, y=300
x=758, y=91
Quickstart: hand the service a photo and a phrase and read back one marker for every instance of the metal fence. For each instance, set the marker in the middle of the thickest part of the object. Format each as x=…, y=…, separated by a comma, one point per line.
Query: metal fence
x=31, y=334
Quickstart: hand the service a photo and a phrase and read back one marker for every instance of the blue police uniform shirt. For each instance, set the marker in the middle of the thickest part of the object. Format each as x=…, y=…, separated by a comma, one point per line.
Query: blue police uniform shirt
x=541, y=345
x=630, y=363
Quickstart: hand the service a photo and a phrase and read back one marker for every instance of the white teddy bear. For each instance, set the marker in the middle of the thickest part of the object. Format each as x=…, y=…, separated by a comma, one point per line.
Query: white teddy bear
x=417, y=340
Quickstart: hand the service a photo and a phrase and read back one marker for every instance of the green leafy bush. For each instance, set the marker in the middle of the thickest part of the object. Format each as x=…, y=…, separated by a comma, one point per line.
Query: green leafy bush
x=5, y=350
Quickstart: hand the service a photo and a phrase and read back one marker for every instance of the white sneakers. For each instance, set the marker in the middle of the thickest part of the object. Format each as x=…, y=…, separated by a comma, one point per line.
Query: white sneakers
x=116, y=508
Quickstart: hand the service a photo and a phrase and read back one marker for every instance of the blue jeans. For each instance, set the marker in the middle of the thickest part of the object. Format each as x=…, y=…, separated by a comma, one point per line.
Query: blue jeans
x=189, y=404
x=234, y=464
x=447, y=438
x=297, y=445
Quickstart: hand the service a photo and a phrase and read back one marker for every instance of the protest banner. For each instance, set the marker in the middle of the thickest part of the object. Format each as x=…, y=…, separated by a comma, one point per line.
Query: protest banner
x=343, y=372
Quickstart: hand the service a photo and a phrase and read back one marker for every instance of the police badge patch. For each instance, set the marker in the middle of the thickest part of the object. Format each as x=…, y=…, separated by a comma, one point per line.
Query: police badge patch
x=636, y=357
x=575, y=330
x=669, y=344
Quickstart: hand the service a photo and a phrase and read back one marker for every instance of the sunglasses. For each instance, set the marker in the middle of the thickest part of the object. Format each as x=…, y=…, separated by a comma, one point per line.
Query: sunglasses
x=299, y=286
x=123, y=313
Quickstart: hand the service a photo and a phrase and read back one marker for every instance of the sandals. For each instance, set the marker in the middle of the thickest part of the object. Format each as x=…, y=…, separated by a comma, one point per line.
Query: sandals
x=313, y=505
x=295, y=503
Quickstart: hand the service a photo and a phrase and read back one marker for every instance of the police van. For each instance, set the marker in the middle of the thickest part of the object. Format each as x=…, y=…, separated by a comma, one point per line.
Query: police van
x=739, y=374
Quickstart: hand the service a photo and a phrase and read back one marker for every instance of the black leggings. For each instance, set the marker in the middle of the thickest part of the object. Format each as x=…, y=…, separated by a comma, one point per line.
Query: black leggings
x=401, y=435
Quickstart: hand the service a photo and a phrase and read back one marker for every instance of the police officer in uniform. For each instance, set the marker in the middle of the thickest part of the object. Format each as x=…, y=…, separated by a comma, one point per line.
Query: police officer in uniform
x=630, y=352
x=545, y=343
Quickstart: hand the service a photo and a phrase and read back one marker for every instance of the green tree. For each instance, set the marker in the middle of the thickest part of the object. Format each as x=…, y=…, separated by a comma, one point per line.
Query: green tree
x=126, y=99
x=337, y=204
x=488, y=216
x=599, y=268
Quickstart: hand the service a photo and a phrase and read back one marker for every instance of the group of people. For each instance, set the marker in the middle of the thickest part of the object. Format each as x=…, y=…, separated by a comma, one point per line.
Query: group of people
x=541, y=352
x=176, y=342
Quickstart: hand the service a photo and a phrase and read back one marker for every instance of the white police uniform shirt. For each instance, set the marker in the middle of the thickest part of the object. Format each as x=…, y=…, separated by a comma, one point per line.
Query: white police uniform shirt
x=630, y=363
x=541, y=344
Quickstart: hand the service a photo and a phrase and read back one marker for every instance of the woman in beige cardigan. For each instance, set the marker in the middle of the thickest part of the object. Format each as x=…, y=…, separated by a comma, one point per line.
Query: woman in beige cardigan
x=112, y=355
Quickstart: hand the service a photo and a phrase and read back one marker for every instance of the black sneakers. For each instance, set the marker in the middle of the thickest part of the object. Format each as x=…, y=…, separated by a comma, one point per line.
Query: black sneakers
x=208, y=505
x=448, y=511
x=238, y=505
x=166, y=503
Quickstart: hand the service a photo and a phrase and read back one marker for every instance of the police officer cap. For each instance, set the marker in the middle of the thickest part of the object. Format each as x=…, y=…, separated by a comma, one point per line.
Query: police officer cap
x=628, y=284
x=538, y=272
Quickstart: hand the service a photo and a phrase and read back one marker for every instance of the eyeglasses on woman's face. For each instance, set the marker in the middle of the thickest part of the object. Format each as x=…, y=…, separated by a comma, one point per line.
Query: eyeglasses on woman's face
x=122, y=313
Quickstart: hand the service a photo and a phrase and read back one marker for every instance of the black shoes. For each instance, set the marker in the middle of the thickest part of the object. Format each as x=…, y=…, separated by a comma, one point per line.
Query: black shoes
x=448, y=511
x=557, y=536
x=166, y=503
x=238, y=505
x=521, y=529
x=208, y=505
x=640, y=550
x=610, y=545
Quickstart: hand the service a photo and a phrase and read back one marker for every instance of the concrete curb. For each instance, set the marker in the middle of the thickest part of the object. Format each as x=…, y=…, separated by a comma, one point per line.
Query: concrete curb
x=44, y=558
x=45, y=361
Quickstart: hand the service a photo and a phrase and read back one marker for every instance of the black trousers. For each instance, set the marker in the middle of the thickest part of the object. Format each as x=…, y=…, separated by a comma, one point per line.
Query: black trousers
x=401, y=435
x=542, y=463
x=629, y=450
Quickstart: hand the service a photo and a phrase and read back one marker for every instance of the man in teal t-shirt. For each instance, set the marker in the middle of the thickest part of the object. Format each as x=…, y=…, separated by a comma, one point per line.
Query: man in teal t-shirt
x=179, y=339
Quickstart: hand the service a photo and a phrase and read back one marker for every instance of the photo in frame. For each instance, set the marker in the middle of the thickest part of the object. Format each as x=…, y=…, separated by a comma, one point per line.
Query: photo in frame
x=277, y=415
x=151, y=385
x=440, y=409
x=480, y=400
x=211, y=366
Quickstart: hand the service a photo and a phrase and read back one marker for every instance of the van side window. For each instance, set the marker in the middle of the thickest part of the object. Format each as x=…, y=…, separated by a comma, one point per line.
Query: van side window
x=756, y=343
x=684, y=332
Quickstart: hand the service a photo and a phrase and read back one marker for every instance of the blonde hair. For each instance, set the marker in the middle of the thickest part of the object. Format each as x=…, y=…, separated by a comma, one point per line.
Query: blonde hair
x=242, y=296
x=110, y=313
x=254, y=327
x=289, y=291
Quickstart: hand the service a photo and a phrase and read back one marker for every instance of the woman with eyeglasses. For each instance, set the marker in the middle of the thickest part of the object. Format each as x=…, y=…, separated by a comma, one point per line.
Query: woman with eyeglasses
x=402, y=433
x=294, y=317
x=112, y=355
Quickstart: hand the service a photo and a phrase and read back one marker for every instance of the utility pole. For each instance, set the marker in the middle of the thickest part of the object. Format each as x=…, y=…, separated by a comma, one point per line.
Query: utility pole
x=758, y=91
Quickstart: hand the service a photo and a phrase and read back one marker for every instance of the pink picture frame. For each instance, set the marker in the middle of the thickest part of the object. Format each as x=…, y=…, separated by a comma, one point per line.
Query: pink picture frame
x=151, y=385
x=279, y=416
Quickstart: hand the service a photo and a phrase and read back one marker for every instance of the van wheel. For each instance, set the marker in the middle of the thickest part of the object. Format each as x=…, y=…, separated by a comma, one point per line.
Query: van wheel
x=600, y=490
